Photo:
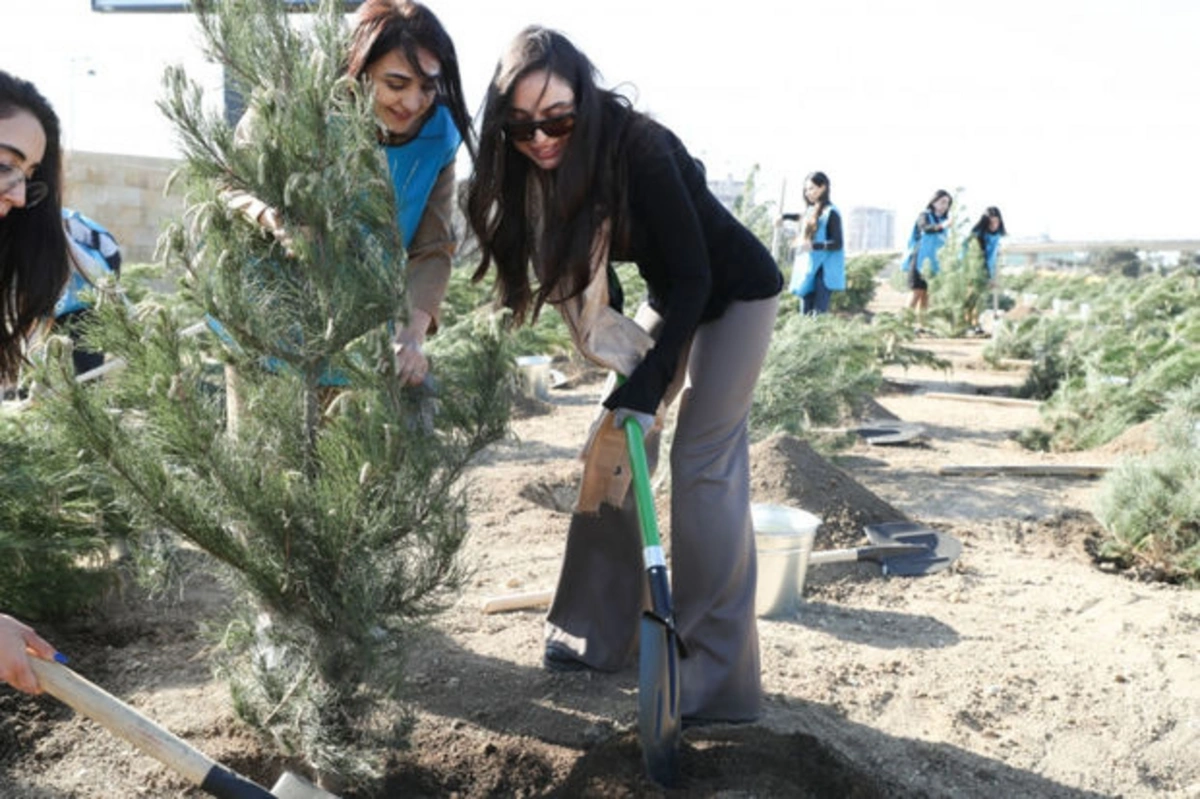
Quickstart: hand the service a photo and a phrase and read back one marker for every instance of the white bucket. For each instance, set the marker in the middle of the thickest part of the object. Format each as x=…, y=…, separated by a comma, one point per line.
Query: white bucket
x=783, y=537
x=535, y=372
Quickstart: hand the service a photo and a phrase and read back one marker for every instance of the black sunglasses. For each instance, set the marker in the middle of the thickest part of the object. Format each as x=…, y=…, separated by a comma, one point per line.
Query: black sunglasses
x=554, y=127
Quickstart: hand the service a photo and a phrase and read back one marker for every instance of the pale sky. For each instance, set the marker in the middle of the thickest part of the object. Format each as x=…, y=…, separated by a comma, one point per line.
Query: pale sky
x=1079, y=118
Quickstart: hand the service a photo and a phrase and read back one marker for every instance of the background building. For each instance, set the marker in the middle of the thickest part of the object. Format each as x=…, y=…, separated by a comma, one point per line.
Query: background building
x=727, y=190
x=870, y=229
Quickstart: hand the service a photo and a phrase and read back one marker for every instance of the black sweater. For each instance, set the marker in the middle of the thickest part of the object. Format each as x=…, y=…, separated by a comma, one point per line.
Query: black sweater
x=695, y=257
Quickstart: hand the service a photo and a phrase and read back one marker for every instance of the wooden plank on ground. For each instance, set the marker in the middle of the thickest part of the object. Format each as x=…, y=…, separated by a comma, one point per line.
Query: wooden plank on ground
x=531, y=600
x=1027, y=470
x=988, y=398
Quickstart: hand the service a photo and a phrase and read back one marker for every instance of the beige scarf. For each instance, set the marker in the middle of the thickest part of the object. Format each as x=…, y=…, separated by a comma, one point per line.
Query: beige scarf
x=612, y=341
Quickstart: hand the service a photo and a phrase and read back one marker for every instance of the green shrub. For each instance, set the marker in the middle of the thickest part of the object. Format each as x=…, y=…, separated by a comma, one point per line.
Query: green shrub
x=53, y=548
x=862, y=273
x=1150, y=505
x=1115, y=367
x=818, y=369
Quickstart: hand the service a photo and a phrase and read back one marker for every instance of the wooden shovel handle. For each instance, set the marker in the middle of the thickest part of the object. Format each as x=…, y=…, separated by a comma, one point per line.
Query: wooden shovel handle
x=120, y=719
x=123, y=721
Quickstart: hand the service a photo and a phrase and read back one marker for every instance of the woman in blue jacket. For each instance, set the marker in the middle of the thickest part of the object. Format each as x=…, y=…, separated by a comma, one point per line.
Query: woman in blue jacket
x=823, y=271
x=927, y=238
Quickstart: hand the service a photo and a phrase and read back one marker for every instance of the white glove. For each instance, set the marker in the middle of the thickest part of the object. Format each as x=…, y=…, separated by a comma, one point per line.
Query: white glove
x=644, y=420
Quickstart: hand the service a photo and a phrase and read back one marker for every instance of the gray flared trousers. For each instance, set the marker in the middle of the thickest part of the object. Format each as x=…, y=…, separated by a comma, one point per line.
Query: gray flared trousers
x=602, y=587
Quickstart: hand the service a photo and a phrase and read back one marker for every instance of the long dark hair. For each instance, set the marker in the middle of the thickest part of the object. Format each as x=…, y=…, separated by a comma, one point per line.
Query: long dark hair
x=587, y=188
x=382, y=26
x=937, y=195
x=981, y=227
x=33, y=247
x=812, y=220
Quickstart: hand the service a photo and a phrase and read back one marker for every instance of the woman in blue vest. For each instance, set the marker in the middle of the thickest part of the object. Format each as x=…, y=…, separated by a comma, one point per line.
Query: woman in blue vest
x=927, y=238
x=33, y=271
x=401, y=52
x=823, y=271
x=987, y=232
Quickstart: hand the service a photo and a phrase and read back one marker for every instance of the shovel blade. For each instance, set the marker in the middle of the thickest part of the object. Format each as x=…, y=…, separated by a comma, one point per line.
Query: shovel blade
x=941, y=549
x=658, y=701
x=293, y=786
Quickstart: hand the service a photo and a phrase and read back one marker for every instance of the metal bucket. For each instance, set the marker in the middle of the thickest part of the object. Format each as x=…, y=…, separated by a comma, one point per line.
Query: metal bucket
x=535, y=374
x=783, y=537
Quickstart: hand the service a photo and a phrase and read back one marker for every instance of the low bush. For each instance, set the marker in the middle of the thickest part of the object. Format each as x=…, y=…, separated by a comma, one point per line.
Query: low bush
x=1150, y=505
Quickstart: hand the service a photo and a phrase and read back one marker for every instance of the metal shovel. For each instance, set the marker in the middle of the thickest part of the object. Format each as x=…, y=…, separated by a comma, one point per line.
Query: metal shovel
x=938, y=550
x=658, y=658
x=198, y=768
x=902, y=549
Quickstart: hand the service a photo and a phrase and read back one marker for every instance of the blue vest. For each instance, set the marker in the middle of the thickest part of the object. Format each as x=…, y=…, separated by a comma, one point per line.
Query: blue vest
x=415, y=165
x=98, y=254
x=925, y=245
x=804, y=281
x=991, y=248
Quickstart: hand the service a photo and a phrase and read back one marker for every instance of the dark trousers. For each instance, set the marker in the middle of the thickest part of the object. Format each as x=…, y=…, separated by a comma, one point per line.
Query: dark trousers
x=817, y=300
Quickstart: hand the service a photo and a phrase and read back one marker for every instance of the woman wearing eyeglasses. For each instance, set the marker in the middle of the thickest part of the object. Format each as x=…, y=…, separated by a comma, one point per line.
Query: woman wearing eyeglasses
x=400, y=50
x=33, y=271
x=33, y=248
x=924, y=243
x=820, y=265
x=569, y=179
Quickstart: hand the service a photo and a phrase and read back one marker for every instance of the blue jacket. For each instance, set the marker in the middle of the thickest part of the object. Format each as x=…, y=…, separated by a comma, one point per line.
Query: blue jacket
x=925, y=243
x=991, y=249
x=415, y=165
x=414, y=168
x=827, y=252
x=95, y=255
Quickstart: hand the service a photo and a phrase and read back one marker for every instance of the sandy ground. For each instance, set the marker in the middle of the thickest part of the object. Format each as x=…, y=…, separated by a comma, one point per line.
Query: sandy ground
x=1026, y=670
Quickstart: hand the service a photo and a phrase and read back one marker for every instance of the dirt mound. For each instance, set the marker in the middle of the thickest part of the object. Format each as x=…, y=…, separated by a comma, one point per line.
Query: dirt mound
x=737, y=761
x=1019, y=313
x=871, y=410
x=1137, y=440
x=787, y=471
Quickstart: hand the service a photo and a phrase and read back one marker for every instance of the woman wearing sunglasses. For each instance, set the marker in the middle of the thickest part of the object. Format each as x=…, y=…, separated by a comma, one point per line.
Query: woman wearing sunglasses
x=401, y=52
x=569, y=178
x=33, y=271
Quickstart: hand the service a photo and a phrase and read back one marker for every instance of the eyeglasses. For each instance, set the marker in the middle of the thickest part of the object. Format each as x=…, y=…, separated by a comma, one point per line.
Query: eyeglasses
x=554, y=127
x=11, y=177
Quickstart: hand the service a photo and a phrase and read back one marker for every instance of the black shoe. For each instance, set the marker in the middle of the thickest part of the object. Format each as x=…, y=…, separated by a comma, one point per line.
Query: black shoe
x=558, y=658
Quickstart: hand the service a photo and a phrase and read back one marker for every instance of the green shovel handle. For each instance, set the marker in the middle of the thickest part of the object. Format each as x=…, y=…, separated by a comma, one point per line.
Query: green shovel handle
x=641, y=483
